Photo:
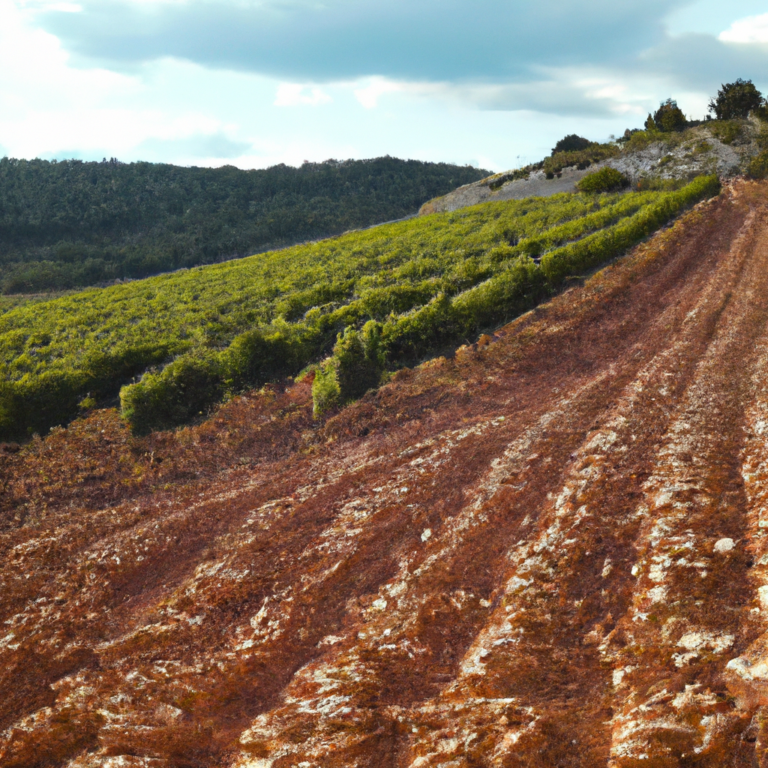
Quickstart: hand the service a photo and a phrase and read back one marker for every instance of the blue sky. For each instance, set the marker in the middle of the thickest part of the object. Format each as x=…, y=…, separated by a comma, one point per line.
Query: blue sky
x=252, y=83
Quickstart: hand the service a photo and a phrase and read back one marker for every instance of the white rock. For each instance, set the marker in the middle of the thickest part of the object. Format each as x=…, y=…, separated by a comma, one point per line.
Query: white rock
x=724, y=545
x=426, y=535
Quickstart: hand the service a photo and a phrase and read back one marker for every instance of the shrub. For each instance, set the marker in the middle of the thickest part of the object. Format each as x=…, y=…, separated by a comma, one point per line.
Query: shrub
x=582, y=158
x=11, y=427
x=758, y=166
x=356, y=366
x=105, y=369
x=667, y=118
x=736, y=99
x=325, y=388
x=627, y=135
x=359, y=360
x=727, y=131
x=518, y=288
x=53, y=397
x=571, y=143
x=639, y=140
x=380, y=302
x=604, y=180
x=258, y=356
x=188, y=386
x=406, y=339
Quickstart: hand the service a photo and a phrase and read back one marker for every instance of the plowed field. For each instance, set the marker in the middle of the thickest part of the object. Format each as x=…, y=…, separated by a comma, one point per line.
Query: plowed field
x=550, y=550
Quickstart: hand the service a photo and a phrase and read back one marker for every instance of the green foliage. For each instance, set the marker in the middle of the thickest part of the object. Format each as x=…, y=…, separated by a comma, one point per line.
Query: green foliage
x=357, y=365
x=571, y=143
x=727, y=131
x=71, y=224
x=604, y=180
x=639, y=140
x=261, y=355
x=582, y=159
x=186, y=388
x=758, y=166
x=735, y=100
x=360, y=360
x=610, y=242
x=407, y=338
x=388, y=296
x=325, y=388
x=667, y=118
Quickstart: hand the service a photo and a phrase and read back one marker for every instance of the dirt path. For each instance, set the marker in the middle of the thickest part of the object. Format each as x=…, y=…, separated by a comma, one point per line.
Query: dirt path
x=547, y=551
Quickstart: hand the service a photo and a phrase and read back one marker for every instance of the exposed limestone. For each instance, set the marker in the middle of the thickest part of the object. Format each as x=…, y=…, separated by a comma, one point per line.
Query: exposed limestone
x=700, y=152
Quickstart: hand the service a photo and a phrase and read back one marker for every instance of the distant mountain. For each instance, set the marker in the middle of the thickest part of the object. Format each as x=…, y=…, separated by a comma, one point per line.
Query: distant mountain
x=73, y=224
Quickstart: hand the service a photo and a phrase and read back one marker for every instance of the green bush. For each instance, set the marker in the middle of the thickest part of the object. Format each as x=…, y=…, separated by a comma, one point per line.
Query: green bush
x=260, y=355
x=727, y=130
x=517, y=289
x=735, y=100
x=406, y=339
x=758, y=166
x=325, y=388
x=571, y=143
x=604, y=180
x=667, y=118
x=581, y=158
x=357, y=365
x=184, y=389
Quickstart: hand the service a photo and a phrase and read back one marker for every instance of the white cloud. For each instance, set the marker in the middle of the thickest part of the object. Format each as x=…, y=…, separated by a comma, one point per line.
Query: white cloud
x=369, y=95
x=295, y=94
x=753, y=29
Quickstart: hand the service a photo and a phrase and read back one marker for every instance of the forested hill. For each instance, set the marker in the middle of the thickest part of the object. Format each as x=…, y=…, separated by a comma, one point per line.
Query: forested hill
x=72, y=223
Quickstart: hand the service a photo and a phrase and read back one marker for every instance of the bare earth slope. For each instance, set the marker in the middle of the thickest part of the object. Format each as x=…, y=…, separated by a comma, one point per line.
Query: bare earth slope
x=547, y=551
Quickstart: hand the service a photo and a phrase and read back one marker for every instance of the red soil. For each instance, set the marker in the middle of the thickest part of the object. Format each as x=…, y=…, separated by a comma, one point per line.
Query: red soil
x=547, y=551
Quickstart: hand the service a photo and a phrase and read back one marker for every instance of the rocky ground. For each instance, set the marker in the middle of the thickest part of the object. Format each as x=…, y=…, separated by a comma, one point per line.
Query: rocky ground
x=548, y=550
x=678, y=156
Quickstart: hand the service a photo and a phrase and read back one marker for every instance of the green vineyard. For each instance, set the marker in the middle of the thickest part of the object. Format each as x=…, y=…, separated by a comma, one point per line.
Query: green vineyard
x=385, y=297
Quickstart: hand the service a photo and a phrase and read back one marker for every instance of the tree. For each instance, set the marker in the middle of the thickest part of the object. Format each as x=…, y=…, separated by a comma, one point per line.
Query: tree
x=735, y=100
x=571, y=143
x=668, y=117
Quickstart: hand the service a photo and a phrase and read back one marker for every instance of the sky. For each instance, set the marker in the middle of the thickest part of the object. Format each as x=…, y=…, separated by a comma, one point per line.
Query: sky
x=253, y=83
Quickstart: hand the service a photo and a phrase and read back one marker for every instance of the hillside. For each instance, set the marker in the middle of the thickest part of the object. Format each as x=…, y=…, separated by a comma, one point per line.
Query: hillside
x=409, y=289
x=71, y=224
x=546, y=550
x=648, y=159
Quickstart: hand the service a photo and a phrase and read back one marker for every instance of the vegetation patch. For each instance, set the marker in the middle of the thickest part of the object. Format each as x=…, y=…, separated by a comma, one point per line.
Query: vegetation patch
x=374, y=300
x=725, y=130
x=758, y=166
x=72, y=224
x=604, y=180
x=581, y=158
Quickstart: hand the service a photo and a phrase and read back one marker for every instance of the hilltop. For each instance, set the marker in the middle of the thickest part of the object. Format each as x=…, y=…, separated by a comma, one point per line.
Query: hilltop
x=647, y=159
x=546, y=549
x=72, y=224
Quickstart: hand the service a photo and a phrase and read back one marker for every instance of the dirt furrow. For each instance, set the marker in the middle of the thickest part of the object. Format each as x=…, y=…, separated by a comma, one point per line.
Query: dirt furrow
x=538, y=652
x=692, y=594
x=418, y=634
